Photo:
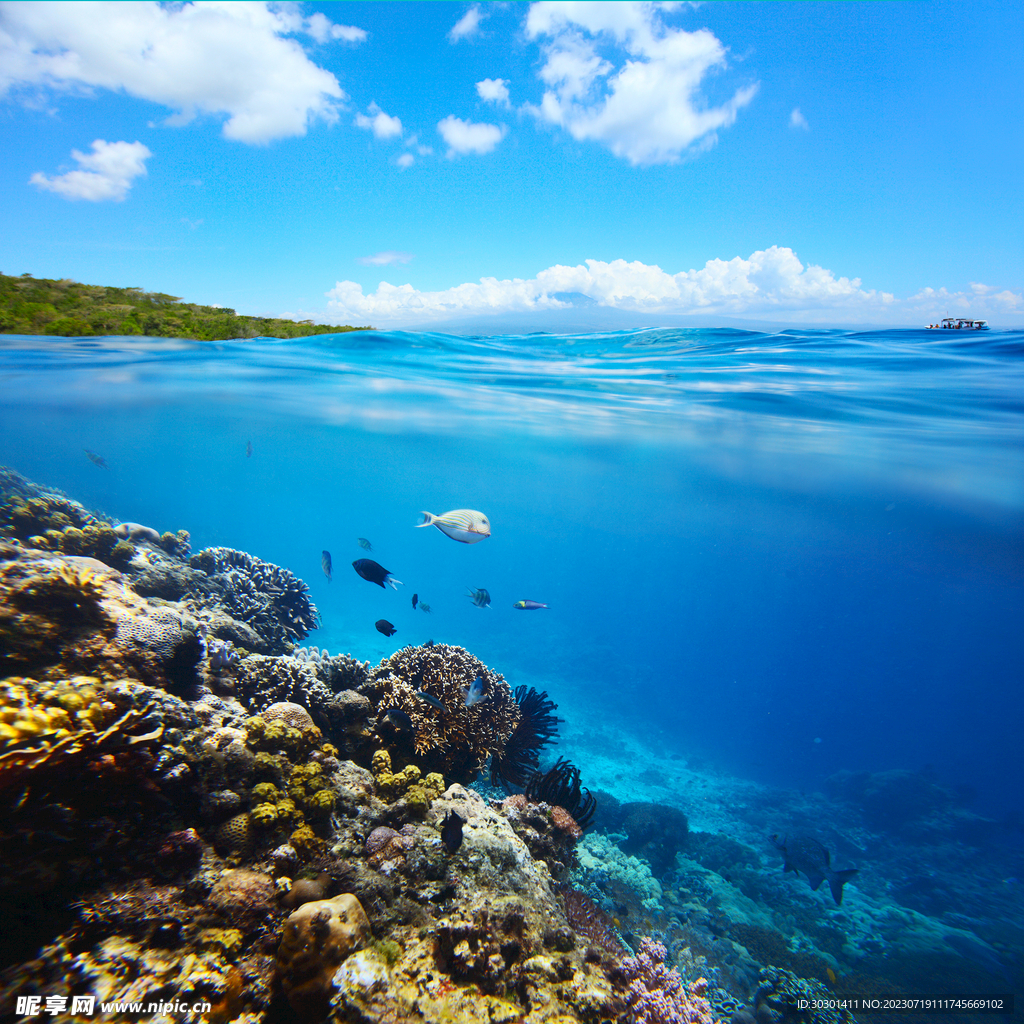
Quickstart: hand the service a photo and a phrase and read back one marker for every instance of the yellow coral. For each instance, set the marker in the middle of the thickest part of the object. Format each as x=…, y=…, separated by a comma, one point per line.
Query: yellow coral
x=264, y=792
x=264, y=815
x=307, y=842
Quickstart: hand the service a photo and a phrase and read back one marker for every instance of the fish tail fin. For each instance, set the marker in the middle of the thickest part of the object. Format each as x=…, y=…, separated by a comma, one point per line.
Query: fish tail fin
x=836, y=881
x=428, y=519
x=392, y=582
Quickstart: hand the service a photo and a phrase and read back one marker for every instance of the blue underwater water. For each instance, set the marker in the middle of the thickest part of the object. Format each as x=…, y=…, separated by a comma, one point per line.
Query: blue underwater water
x=775, y=557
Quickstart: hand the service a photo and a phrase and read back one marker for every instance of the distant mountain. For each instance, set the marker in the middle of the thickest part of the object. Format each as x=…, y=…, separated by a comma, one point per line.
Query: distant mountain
x=586, y=317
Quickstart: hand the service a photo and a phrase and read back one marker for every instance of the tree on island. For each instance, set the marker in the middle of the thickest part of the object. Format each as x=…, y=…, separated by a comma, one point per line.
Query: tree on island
x=65, y=308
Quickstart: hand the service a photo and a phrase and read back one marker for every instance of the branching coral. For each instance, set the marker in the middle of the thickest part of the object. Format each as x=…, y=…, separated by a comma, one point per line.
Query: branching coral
x=657, y=995
x=270, y=599
x=263, y=681
x=519, y=759
x=453, y=740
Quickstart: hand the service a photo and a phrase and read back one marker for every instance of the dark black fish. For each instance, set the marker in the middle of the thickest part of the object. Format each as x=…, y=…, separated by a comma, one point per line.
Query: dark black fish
x=248, y=449
x=325, y=563
x=429, y=643
x=399, y=720
x=451, y=831
x=804, y=853
x=385, y=627
x=374, y=572
x=415, y=601
x=429, y=698
x=97, y=460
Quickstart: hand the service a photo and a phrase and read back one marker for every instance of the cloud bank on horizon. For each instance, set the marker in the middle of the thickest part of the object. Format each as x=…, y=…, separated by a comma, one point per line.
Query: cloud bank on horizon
x=770, y=281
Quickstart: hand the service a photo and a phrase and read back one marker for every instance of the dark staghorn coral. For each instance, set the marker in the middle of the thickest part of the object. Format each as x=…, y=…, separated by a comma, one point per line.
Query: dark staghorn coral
x=270, y=599
x=519, y=759
x=561, y=787
x=453, y=740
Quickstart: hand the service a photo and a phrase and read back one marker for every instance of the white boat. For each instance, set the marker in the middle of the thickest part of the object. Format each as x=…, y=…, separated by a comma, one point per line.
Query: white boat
x=959, y=323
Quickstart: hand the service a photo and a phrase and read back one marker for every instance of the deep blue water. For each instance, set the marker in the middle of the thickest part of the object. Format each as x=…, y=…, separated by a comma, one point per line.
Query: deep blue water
x=786, y=554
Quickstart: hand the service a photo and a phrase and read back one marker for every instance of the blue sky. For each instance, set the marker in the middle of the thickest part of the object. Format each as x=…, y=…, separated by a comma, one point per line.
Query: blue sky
x=403, y=163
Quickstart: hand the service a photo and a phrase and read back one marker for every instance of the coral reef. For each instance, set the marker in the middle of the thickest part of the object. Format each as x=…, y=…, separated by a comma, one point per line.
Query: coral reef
x=550, y=832
x=66, y=615
x=270, y=599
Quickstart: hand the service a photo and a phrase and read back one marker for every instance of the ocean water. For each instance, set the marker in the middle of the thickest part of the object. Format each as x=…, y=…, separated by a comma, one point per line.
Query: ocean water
x=775, y=557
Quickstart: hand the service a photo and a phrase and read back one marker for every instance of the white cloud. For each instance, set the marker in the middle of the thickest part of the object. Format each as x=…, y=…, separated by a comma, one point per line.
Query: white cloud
x=494, y=90
x=105, y=173
x=648, y=109
x=222, y=59
x=769, y=280
x=382, y=126
x=406, y=160
x=467, y=26
x=982, y=300
x=466, y=137
x=320, y=28
x=383, y=259
x=797, y=120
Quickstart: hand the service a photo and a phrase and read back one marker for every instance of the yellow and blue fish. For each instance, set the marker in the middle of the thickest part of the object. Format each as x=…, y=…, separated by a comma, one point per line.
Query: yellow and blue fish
x=465, y=525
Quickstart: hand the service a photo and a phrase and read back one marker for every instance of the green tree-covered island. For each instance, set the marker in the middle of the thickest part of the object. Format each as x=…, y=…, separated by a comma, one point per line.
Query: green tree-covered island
x=69, y=309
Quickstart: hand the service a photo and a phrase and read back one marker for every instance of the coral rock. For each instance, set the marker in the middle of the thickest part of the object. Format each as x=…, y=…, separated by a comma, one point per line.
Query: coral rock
x=317, y=939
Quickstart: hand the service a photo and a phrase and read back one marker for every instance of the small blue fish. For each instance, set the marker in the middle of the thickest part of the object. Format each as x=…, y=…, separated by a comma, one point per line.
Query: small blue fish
x=424, y=607
x=325, y=564
x=95, y=459
x=475, y=693
x=248, y=449
x=430, y=699
x=364, y=543
x=481, y=598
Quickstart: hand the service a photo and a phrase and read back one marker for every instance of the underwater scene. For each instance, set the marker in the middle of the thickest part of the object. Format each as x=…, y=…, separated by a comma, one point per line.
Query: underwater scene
x=644, y=677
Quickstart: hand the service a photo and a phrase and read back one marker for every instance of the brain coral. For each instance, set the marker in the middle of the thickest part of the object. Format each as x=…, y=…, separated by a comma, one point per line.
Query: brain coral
x=270, y=599
x=454, y=740
x=294, y=715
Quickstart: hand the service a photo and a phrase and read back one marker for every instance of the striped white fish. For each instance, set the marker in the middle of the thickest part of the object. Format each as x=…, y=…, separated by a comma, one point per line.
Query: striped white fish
x=465, y=525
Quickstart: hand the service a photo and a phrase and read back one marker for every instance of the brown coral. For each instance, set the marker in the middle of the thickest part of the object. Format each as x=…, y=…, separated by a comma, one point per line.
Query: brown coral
x=317, y=939
x=453, y=740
